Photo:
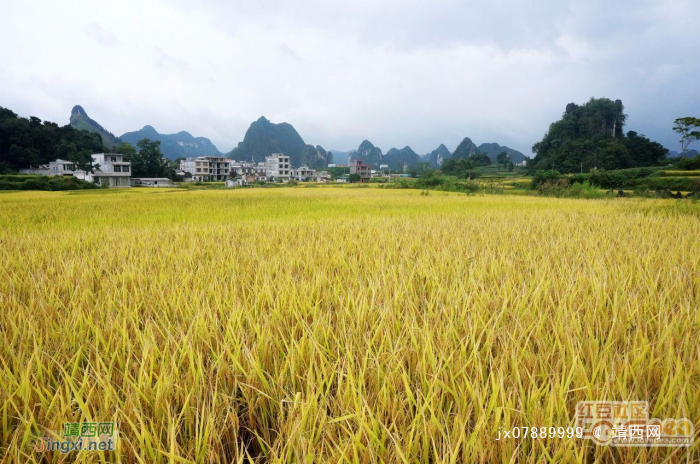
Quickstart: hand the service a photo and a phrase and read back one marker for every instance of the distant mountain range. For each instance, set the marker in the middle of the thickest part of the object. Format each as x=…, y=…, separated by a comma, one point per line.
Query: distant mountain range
x=494, y=149
x=341, y=156
x=435, y=157
x=687, y=154
x=397, y=158
x=264, y=138
x=369, y=154
x=180, y=145
x=467, y=148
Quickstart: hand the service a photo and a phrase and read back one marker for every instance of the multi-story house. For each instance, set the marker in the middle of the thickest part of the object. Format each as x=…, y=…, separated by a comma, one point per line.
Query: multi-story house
x=207, y=168
x=61, y=168
x=361, y=169
x=323, y=176
x=54, y=168
x=243, y=169
x=303, y=173
x=261, y=172
x=277, y=167
x=110, y=170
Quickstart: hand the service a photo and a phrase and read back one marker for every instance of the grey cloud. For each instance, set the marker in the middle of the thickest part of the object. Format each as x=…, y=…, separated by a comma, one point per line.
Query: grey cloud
x=411, y=72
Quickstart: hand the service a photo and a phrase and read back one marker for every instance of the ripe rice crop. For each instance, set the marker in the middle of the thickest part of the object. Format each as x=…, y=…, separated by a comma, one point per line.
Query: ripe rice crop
x=342, y=325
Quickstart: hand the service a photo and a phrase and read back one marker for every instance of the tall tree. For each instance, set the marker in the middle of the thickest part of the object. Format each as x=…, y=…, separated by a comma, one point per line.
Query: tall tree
x=689, y=129
x=148, y=161
x=503, y=159
x=479, y=159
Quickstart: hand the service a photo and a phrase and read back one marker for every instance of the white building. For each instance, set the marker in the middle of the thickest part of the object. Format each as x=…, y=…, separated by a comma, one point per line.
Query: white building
x=238, y=182
x=243, y=169
x=151, y=182
x=207, y=168
x=323, y=176
x=277, y=167
x=61, y=168
x=303, y=173
x=54, y=168
x=112, y=170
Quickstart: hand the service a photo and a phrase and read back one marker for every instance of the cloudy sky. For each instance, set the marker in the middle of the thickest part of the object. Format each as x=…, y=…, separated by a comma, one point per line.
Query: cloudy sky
x=396, y=72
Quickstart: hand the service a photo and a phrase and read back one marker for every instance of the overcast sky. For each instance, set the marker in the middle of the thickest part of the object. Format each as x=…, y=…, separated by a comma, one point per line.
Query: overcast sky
x=396, y=72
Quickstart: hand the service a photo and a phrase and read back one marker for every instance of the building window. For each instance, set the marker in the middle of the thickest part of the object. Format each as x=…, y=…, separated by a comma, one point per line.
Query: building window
x=117, y=169
x=125, y=168
x=199, y=170
x=113, y=159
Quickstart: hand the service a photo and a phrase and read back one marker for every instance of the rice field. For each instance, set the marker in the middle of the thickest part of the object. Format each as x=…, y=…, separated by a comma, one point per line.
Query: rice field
x=342, y=325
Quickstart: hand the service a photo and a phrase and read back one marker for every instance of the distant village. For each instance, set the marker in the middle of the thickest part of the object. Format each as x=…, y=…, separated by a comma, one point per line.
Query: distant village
x=113, y=171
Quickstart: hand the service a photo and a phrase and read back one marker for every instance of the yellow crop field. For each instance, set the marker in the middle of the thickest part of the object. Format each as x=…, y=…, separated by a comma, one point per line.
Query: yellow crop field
x=342, y=324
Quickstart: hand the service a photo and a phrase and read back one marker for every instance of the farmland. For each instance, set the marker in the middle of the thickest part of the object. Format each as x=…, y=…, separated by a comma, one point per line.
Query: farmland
x=342, y=324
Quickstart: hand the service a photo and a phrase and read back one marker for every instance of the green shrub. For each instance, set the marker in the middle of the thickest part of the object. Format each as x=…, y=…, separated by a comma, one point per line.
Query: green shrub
x=688, y=164
x=584, y=190
x=543, y=177
x=39, y=183
x=563, y=189
x=621, y=178
x=9, y=185
x=674, y=173
x=432, y=181
x=44, y=183
x=668, y=183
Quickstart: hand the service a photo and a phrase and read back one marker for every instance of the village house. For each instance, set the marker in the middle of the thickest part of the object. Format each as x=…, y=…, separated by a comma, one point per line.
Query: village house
x=207, y=168
x=243, y=169
x=54, y=168
x=303, y=173
x=361, y=169
x=151, y=182
x=323, y=176
x=111, y=170
x=186, y=176
x=237, y=182
x=277, y=167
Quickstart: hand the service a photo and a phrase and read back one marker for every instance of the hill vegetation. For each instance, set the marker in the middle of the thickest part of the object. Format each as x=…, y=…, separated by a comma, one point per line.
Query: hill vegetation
x=264, y=138
x=48, y=183
x=369, y=154
x=397, y=159
x=80, y=120
x=590, y=136
x=180, y=145
x=494, y=149
x=435, y=157
x=27, y=142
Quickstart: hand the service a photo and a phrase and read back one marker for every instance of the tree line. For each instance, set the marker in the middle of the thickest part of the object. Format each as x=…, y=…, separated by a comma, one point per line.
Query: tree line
x=26, y=142
x=31, y=142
